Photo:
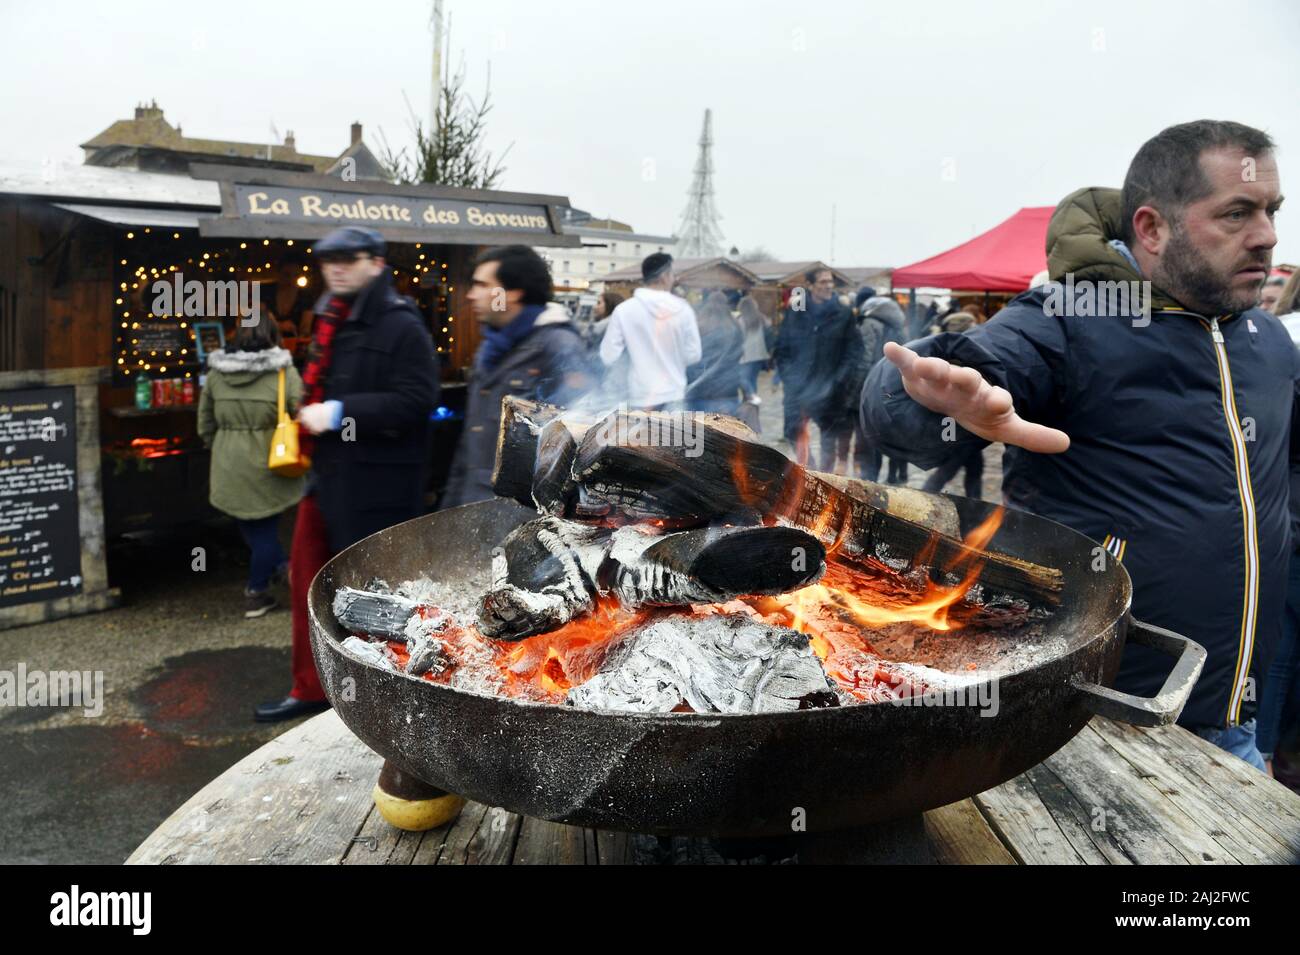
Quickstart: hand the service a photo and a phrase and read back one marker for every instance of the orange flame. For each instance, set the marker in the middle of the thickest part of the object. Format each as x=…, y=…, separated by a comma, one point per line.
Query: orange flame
x=837, y=615
x=553, y=662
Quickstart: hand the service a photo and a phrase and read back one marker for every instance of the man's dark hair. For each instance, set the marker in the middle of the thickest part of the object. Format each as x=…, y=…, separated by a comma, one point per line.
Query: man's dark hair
x=653, y=265
x=521, y=269
x=811, y=275
x=1166, y=172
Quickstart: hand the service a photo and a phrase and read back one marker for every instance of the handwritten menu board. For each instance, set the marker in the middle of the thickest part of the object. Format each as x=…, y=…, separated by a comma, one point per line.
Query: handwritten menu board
x=40, y=538
x=155, y=339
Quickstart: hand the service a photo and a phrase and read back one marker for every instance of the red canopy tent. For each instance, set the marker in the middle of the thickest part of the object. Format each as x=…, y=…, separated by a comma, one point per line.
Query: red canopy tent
x=1002, y=259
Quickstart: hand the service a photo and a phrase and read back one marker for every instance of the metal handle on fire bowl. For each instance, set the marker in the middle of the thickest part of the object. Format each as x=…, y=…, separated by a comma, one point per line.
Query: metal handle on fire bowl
x=1163, y=708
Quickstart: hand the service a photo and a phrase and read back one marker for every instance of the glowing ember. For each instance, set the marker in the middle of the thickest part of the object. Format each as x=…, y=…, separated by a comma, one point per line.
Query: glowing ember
x=837, y=614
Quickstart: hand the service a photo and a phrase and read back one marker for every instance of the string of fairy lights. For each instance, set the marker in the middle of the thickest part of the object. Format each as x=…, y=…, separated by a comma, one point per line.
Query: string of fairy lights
x=149, y=255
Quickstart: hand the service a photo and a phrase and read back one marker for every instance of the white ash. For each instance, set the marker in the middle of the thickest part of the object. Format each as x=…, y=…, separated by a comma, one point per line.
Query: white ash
x=458, y=599
x=639, y=582
x=725, y=663
x=476, y=669
x=376, y=654
x=940, y=679
x=425, y=650
x=423, y=628
x=510, y=612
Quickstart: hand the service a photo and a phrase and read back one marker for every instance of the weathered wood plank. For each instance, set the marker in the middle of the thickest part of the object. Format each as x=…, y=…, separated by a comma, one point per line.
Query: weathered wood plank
x=455, y=844
x=1023, y=823
x=613, y=848
x=959, y=835
x=299, y=799
x=1164, y=795
x=1074, y=819
x=494, y=841
x=1122, y=813
x=376, y=842
x=550, y=843
x=431, y=847
x=1265, y=830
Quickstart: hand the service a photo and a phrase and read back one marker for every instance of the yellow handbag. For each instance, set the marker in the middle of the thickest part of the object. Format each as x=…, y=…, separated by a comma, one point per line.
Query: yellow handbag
x=286, y=460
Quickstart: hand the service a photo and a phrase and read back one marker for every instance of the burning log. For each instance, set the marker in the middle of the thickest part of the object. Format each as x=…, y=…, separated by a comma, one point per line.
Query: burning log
x=391, y=616
x=543, y=575
x=686, y=470
x=549, y=571
x=713, y=664
x=522, y=422
x=553, y=488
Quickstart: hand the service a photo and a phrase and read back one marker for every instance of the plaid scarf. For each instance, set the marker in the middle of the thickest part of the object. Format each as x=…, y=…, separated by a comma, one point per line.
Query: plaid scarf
x=319, y=354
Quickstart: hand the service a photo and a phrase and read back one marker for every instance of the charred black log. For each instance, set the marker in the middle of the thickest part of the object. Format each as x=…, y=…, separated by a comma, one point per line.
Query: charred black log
x=554, y=488
x=370, y=612
x=550, y=571
x=718, y=472
x=543, y=575
x=713, y=564
x=687, y=470
x=521, y=426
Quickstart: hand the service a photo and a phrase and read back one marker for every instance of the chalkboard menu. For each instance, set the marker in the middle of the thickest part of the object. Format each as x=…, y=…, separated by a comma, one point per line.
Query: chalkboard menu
x=40, y=539
x=155, y=339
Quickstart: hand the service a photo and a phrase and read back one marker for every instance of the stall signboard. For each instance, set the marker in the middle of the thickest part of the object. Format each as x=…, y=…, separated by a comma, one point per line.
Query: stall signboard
x=291, y=205
x=163, y=340
x=40, y=535
x=349, y=208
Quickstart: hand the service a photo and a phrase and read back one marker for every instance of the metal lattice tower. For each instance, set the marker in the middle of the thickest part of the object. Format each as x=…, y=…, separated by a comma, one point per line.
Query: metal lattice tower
x=698, y=233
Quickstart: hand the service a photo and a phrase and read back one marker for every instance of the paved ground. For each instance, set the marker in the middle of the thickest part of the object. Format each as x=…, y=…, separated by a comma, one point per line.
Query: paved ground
x=182, y=670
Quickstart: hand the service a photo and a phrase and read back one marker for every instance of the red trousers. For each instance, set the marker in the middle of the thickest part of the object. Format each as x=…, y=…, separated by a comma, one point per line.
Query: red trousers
x=308, y=554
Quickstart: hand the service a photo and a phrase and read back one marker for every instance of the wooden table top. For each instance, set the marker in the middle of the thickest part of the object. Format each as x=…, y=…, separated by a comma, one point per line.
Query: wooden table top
x=1114, y=794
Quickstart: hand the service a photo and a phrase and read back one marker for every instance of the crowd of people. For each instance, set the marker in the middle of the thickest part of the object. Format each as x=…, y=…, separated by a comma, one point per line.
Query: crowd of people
x=1125, y=430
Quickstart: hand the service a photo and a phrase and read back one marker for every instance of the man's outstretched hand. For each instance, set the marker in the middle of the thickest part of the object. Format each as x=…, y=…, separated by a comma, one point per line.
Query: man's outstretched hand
x=964, y=395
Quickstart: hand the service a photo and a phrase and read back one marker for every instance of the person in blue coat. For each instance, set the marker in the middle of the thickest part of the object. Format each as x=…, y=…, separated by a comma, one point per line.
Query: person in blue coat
x=1145, y=401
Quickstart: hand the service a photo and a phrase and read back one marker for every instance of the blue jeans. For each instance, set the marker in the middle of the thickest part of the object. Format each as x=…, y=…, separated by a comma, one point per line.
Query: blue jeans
x=749, y=376
x=263, y=538
x=1237, y=740
x=1280, y=680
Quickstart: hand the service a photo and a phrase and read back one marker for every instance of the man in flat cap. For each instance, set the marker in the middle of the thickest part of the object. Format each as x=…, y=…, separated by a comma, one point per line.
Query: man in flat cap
x=370, y=383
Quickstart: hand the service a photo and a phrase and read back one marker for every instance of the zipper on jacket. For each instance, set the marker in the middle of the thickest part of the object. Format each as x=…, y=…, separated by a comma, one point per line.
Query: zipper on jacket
x=1241, y=465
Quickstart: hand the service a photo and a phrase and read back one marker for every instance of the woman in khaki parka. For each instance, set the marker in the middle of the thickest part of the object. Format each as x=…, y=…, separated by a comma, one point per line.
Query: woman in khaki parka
x=237, y=417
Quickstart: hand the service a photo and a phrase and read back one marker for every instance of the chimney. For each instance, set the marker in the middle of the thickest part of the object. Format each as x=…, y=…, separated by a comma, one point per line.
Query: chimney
x=356, y=133
x=289, y=141
x=149, y=111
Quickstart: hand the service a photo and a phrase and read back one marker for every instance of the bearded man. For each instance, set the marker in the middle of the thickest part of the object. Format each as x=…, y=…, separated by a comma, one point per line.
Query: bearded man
x=1163, y=429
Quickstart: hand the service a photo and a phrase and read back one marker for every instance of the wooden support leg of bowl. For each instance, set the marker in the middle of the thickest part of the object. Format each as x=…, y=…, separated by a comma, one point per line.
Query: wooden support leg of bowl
x=412, y=804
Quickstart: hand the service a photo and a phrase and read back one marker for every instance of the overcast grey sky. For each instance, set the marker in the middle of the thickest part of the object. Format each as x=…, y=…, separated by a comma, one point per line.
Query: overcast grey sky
x=864, y=105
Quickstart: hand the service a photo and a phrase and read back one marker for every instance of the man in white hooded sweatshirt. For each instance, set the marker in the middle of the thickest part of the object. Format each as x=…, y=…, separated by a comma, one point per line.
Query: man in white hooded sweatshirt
x=658, y=331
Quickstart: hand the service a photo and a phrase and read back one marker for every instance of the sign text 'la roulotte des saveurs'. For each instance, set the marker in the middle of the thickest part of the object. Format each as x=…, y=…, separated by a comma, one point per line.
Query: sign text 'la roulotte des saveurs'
x=349, y=208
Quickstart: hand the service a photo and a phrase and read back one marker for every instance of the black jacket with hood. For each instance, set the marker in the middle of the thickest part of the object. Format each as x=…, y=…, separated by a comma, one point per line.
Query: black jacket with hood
x=820, y=355
x=1181, y=432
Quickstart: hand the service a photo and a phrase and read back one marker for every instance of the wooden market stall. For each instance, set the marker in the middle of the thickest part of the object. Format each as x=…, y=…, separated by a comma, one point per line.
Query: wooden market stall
x=696, y=277
x=96, y=266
